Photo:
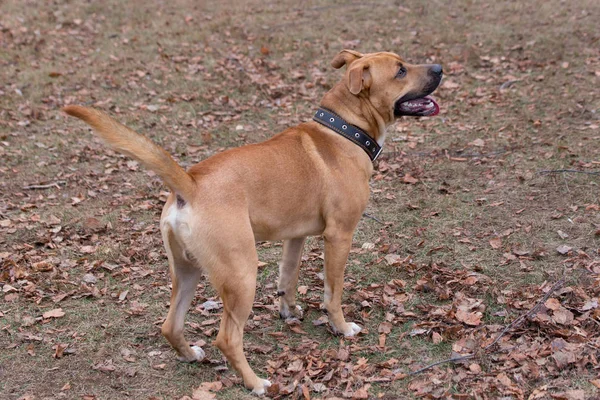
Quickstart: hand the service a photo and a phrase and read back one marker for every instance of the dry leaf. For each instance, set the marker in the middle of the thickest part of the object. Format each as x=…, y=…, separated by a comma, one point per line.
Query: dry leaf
x=496, y=243
x=56, y=313
x=202, y=394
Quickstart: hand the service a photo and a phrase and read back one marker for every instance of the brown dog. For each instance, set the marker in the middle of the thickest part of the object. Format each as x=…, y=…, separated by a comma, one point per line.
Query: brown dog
x=308, y=180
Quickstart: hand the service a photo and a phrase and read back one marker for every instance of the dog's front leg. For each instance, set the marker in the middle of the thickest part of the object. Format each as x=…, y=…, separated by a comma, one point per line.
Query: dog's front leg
x=337, y=248
x=289, y=269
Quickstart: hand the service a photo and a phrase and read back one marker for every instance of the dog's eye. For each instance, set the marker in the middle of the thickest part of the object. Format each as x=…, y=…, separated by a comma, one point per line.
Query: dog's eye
x=401, y=73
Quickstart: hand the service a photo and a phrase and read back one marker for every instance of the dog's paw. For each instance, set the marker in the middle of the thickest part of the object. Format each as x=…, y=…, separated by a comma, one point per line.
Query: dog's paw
x=285, y=312
x=198, y=355
x=261, y=388
x=353, y=331
x=350, y=330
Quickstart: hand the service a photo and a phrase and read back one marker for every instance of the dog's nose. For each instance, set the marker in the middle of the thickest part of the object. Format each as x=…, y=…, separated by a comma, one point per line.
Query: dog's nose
x=436, y=69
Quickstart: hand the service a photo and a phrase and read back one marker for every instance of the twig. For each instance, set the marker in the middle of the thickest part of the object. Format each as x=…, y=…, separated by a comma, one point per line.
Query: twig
x=510, y=326
x=47, y=186
x=508, y=84
x=373, y=218
x=574, y=171
x=530, y=313
x=452, y=360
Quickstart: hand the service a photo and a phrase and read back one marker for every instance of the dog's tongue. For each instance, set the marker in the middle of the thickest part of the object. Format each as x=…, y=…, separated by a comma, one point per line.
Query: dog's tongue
x=424, y=106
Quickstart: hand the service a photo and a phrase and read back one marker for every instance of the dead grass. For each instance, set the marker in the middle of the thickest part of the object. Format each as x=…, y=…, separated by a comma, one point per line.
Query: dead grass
x=138, y=56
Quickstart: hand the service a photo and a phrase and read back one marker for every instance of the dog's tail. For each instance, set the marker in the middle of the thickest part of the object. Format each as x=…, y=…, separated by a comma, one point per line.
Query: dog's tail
x=131, y=143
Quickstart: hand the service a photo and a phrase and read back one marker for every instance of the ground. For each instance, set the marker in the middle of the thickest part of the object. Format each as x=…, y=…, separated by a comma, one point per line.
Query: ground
x=471, y=224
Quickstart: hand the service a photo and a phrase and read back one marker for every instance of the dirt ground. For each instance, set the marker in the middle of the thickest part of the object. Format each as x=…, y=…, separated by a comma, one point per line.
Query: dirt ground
x=481, y=215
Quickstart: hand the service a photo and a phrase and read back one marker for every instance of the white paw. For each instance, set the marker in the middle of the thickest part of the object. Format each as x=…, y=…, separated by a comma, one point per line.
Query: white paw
x=285, y=312
x=353, y=331
x=198, y=355
x=260, y=389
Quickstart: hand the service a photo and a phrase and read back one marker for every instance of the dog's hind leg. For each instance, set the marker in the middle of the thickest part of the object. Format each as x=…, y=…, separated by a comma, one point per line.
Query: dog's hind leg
x=289, y=269
x=233, y=274
x=337, y=248
x=185, y=275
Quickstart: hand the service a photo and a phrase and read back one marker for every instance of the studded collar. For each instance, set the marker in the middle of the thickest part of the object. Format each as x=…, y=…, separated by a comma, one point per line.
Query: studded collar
x=350, y=132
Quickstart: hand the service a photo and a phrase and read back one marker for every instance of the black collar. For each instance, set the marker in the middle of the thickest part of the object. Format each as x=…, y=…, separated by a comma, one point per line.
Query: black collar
x=350, y=132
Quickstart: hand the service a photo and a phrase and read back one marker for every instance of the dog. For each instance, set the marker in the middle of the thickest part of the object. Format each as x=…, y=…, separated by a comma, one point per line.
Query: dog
x=311, y=179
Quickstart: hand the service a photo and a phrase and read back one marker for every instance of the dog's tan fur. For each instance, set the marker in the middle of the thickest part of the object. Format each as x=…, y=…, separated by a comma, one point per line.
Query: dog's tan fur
x=307, y=180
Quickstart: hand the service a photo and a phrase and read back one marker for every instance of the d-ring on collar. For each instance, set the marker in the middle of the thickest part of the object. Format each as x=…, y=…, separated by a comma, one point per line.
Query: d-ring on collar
x=350, y=132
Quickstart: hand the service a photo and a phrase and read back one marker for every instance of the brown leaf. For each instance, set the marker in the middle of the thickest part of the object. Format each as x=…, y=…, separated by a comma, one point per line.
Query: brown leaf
x=477, y=143
x=297, y=329
x=361, y=393
x=59, y=350
x=408, y=178
x=106, y=366
x=385, y=327
x=273, y=390
x=87, y=249
x=295, y=366
x=342, y=354
x=553, y=304
x=475, y=368
x=496, y=243
x=302, y=289
x=202, y=394
x=212, y=386
x=56, y=313
x=577, y=394
x=469, y=318
x=563, y=316
x=393, y=259
x=564, y=249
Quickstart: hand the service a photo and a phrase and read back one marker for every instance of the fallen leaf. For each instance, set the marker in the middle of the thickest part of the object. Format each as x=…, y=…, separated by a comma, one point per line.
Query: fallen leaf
x=302, y=289
x=59, y=350
x=475, y=368
x=469, y=318
x=477, y=143
x=202, y=394
x=212, y=386
x=496, y=243
x=563, y=316
x=564, y=249
x=408, y=178
x=552, y=304
x=56, y=313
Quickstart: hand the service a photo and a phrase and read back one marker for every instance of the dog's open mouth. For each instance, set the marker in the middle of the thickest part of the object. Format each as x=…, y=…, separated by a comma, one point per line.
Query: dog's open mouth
x=421, y=107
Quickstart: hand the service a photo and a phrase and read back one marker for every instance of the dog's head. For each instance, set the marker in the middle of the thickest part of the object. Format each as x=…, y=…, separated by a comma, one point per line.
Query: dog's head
x=394, y=87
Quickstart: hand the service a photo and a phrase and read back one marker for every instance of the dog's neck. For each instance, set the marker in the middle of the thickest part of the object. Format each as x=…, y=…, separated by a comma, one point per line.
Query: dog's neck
x=343, y=103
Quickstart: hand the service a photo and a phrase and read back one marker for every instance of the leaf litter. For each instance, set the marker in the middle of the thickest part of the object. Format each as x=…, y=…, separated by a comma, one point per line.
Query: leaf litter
x=76, y=240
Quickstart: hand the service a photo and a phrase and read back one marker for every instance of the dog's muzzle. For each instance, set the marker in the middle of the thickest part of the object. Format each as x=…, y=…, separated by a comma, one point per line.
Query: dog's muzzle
x=421, y=104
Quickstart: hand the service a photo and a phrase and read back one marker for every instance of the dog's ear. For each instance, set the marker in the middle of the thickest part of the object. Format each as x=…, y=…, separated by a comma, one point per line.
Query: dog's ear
x=359, y=78
x=345, y=57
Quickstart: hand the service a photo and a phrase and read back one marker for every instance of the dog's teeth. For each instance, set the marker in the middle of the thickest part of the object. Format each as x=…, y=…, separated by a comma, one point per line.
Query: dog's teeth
x=429, y=105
